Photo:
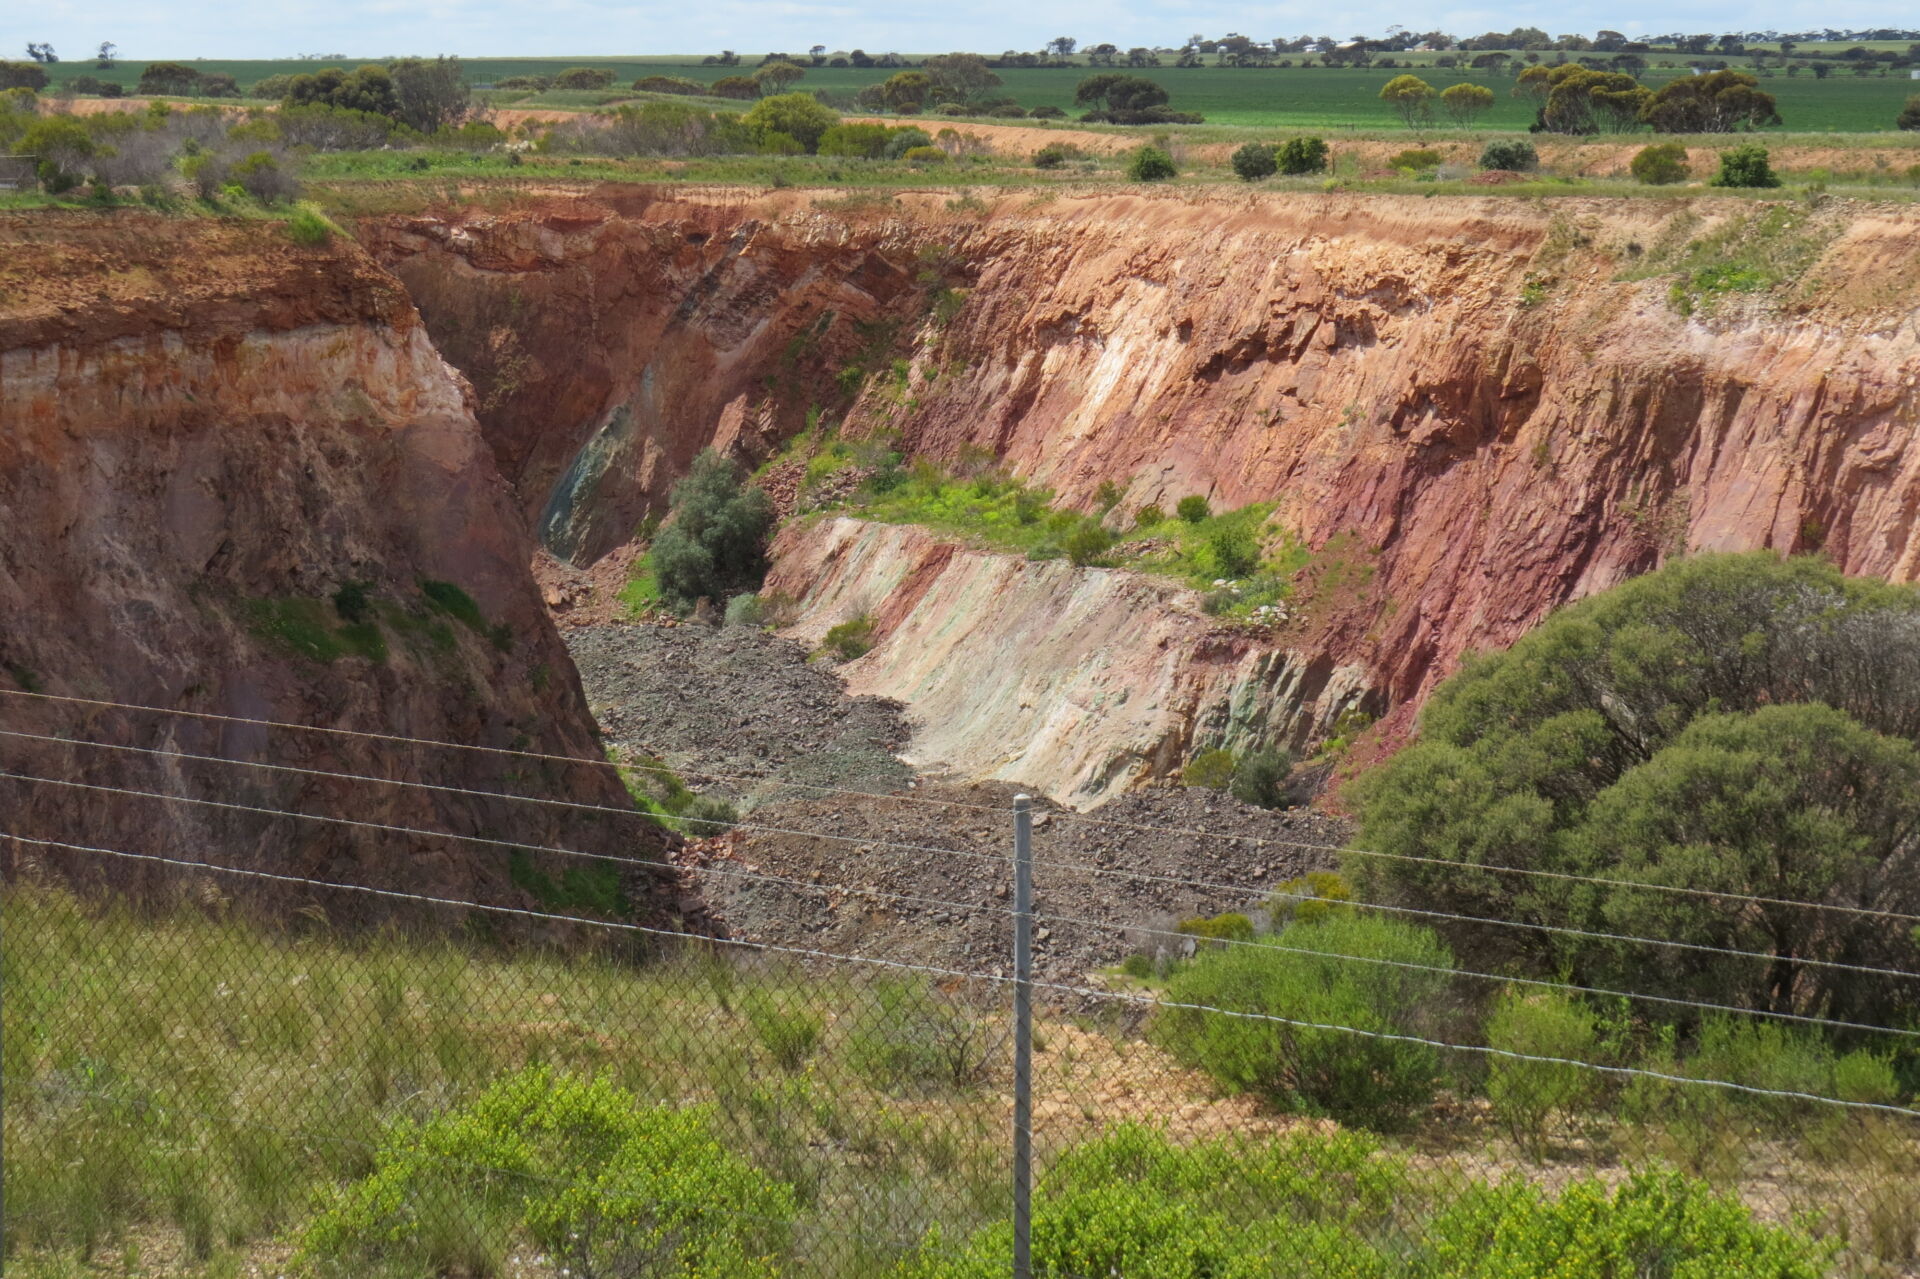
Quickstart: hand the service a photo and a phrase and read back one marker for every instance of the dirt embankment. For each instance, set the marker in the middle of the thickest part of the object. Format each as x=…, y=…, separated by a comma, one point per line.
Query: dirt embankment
x=237, y=479
x=1470, y=410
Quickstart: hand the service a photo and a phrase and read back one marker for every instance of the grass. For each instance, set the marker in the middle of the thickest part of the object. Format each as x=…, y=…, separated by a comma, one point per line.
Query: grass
x=1767, y=249
x=312, y=629
x=185, y=1085
x=1291, y=97
x=192, y=1088
x=1242, y=563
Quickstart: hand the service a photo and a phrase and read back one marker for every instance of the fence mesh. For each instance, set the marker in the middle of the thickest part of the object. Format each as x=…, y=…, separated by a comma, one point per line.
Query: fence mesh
x=235, y=1074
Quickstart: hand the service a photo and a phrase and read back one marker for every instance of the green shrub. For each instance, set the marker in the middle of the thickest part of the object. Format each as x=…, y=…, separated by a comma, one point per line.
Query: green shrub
x=745, y=610
x=704, y=816
x=1527, y=1094
x=789, y=1030
x=309, y=227
x=1231, y=926
x=604, y=1183
x=1302, y=155
x=1415, y=159
x=1210, y=770
x=1661, y=164
x=1316, y=895
x=1150, y=164
x=1087, y=542
x=1138, y=966
x=1233, y=550
x=1746, y=165
x=1657, y=1223
x=920, y=157
x=1193, y=509
x=1375, y=1083
x=1260, y=778
x=716, y=539
x=1055, y=154
x=1510, y=155
x=1148, y=517
x=1909, y=114
x=910, y=1039
x=848, y=640
x=1254, y=161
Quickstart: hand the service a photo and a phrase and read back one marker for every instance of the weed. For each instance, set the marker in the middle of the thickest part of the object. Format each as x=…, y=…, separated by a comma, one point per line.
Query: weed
x=848, y=640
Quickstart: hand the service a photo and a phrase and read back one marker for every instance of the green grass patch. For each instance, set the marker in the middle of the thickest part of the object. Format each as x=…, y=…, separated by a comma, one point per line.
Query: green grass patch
x=641, y=594
x=660, y=791
x=590, y=886
x=312, y=629
x=1770, y=248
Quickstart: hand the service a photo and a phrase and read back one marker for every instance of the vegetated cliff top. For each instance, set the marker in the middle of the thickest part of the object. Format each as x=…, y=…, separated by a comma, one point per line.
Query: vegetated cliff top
x=72, y=276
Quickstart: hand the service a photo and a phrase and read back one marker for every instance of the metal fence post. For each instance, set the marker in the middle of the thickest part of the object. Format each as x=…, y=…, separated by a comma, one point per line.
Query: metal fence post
x=1022, y=1037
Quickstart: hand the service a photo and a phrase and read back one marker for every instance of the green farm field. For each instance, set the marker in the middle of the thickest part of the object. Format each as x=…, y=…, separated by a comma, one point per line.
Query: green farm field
x=1291, y=97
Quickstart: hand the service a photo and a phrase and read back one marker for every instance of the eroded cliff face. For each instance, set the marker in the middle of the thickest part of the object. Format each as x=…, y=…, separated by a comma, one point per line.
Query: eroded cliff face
x=609, y=339
x=206, y=434
x=1079, y=681
x=1471, y=410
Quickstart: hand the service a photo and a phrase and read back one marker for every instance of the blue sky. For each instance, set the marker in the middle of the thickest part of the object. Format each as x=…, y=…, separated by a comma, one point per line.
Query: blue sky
x=148, y=29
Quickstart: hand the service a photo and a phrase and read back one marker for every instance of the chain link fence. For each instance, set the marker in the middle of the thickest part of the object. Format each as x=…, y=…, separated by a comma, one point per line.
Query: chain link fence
x=233, y=1073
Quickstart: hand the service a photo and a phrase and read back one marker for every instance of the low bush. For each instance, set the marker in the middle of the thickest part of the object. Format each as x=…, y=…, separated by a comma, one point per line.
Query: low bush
x=850, y=639
x=1909, y=114
x=1231, y=926
x=1086, y=542
x=789, y=1028
x=1150, y=164
x=1510, y=155
x=584, y=78
x=920, y=157
x=1415, y=160
x=1302, y=155
x=1306, y=974
x=1055, y=154
x=1254, y=161
x=1661, y=164
x=1746, y=165
x=911, y=1039
x=1193, y=509
x=1316, y=895
x=1527, y=1095
x=310, y=227
x=604, y=1183
x=1047, y=113
x=1260, y=778
x=1210, y=770
x=716, y=539
x=1148, y=517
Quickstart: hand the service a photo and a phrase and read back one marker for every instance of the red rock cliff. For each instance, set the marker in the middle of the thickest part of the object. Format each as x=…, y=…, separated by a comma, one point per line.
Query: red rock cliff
x=205, y=434
x=1473, y=409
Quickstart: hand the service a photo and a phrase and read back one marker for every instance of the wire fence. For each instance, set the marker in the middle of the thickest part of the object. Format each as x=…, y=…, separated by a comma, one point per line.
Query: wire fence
x=222, y=1068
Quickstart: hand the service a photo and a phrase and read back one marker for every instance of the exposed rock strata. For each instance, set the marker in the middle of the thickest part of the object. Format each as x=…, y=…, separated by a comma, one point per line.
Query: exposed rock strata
x=205, y=433
x=1472, y=410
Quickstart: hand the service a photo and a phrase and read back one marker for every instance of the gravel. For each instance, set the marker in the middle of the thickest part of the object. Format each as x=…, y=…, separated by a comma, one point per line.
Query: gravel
x=741, y=702
x=736, y=701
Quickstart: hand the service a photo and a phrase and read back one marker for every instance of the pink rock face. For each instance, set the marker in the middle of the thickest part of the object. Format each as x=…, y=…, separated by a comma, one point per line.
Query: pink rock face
x=1471, y=410
x=194, y=459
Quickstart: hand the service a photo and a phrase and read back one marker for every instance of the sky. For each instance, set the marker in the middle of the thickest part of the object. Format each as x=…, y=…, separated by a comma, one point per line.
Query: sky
x=184, y=29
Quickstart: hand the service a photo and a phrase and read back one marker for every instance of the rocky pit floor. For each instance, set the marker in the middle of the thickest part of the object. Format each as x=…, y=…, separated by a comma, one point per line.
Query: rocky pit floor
x=912, y=868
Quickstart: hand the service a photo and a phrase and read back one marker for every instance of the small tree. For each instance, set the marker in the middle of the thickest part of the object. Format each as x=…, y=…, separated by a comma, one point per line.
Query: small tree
x=714, y=546
x=1661, y=164
x=1192, y=508
x=22, y=75
x=430, y=94
x=777, y=77
x=1302, y=155
x=1150, y=164
x=1510, y=156
x=1910, y=115
x=1255, y=161
x=168, y=78
x=1260, y=778
x=1411, y=97
x=1466, y=102
x=1745, y=166
x=799, y=116
x=583, y=78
